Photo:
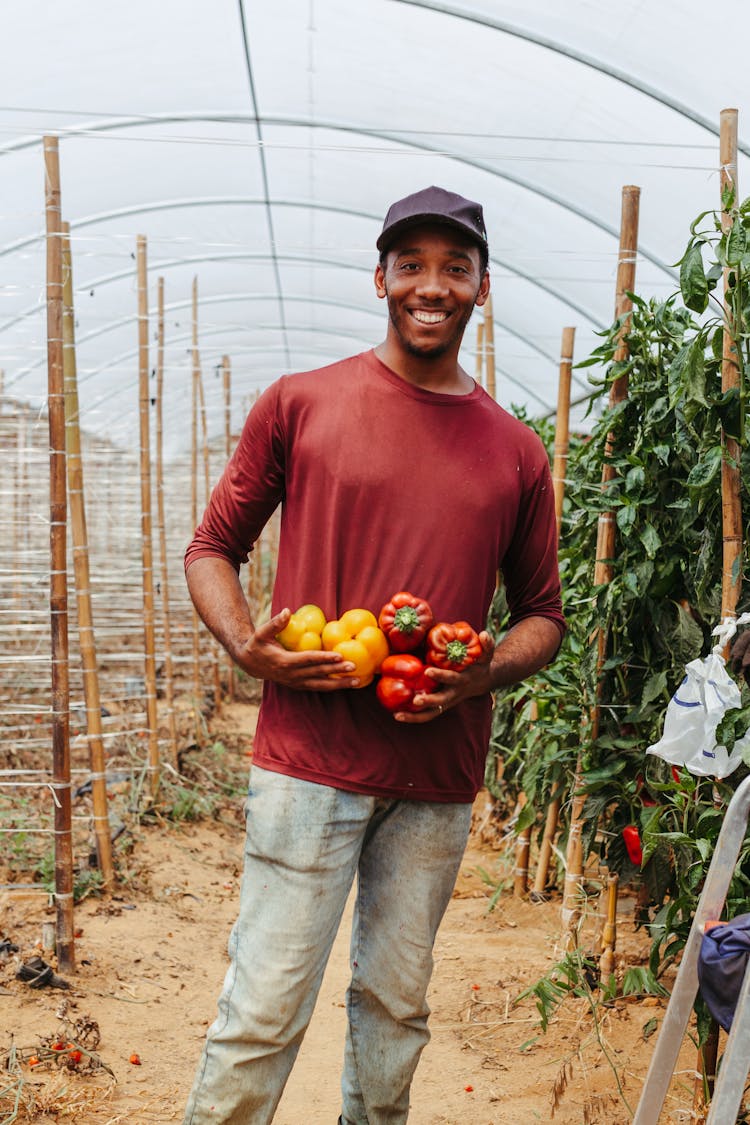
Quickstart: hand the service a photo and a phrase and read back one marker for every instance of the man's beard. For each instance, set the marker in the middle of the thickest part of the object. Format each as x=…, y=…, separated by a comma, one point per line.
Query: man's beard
x=427, y=351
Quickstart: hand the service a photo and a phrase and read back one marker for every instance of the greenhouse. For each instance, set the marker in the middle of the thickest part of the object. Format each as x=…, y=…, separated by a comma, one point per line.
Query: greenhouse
x=470, y=559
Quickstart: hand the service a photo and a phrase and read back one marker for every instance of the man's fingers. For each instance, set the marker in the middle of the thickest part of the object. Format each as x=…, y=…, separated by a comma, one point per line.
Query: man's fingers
x=269, y=629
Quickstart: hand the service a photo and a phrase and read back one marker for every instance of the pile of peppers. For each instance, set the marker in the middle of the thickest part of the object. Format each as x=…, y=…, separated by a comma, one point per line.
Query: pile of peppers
x=400, y=644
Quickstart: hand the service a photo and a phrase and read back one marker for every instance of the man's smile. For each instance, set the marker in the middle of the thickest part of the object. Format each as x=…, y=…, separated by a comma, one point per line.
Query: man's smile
x=425, y=316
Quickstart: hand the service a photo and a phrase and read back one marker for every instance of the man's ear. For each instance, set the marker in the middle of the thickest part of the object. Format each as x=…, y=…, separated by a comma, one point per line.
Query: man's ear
x=379, y=280
x=484, y=289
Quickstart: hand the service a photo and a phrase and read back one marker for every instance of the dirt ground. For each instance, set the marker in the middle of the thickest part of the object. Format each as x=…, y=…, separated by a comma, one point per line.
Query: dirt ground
x=150, y=961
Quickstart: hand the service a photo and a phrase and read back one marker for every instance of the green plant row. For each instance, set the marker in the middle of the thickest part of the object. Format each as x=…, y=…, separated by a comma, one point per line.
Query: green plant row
x=664, y=596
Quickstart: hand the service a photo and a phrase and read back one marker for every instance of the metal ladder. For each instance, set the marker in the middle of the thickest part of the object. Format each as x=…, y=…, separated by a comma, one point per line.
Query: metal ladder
x=730, y=1083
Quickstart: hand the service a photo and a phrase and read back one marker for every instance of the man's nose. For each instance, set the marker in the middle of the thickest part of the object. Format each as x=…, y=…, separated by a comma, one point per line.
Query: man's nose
x=432, y=284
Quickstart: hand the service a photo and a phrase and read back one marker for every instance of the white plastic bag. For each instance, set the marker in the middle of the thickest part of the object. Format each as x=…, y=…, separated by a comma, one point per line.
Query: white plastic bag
x=696, y=709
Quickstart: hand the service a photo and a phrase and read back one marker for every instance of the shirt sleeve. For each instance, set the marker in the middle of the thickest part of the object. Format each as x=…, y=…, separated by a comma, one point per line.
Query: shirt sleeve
x=529, y=567
x=249, y=490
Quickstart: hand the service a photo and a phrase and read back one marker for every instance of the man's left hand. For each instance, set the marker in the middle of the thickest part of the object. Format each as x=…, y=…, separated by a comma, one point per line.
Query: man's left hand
x=452, y=687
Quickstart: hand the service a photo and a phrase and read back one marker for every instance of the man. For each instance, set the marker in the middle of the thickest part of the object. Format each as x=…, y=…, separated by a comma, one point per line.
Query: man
x=394, y=471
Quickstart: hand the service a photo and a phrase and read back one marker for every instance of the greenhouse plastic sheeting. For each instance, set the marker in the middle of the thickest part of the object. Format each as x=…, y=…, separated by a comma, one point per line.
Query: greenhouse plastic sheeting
x=257, y=147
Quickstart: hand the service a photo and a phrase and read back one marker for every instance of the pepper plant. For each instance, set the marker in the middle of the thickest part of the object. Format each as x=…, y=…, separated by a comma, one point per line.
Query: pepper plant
x=665, y=444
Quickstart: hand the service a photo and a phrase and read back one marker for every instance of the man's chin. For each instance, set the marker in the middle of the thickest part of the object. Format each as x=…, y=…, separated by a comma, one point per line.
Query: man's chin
x=426, y=351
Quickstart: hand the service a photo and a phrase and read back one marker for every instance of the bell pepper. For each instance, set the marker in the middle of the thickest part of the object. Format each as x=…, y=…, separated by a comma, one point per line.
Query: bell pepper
x=357, y=637
x=405, y=620
x=302, y=632
x=632, y=840
x=454, y=646
x=401, y=677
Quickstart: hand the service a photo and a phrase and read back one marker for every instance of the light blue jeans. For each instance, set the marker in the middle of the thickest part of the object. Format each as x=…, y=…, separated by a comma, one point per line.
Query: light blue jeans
x=305, y=843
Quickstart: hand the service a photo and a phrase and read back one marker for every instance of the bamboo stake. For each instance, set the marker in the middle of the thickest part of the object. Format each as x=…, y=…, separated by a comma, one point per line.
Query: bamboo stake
x=731, y=518
x=58, y=568
x=197, y=693
x=479, y=361
x=161, y=519
x=730, y=378
x=213, y=643
x=87, y=643
x=489, y=348
x=605, y=549
x=609, y=934
x=226, y=372
x=559, y=475
x=523, y=847
x=147, y=552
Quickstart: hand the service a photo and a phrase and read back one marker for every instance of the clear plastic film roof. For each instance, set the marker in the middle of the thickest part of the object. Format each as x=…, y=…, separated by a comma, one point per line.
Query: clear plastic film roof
x=257, y=146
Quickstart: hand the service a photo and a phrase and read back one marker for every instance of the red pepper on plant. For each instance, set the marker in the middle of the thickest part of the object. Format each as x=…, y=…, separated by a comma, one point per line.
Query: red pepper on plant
x=402, y=676
x=632, y=839
x=455, y=646
x=405, y=620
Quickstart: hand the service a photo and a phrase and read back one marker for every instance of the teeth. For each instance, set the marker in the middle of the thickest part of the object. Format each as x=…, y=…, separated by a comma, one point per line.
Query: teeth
x=428, y=317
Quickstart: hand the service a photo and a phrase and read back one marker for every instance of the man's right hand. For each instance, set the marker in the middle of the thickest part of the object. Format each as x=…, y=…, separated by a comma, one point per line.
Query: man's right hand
x=217, y=595
x=266, y=659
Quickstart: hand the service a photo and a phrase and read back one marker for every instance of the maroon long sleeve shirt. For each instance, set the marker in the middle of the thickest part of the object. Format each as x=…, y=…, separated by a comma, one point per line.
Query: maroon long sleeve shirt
x=385, y=487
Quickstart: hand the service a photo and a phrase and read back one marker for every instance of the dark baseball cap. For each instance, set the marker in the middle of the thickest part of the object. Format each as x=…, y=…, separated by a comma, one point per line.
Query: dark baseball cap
x=434, y=205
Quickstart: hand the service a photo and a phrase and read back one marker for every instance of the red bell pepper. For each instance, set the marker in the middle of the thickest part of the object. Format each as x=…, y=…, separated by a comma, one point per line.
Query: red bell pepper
x=632, y=839
x=401, y=677
x=405, y=620
x=453, y=646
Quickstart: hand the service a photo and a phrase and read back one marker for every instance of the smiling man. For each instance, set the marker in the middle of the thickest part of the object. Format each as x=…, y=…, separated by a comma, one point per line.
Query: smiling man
x=394, y=471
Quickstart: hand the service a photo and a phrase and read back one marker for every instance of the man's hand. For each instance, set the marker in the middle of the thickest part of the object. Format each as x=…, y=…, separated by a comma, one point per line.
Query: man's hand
x=218, y=597
x=452, y=687
x=739, y=657
x=264, y=658
x=527, y=647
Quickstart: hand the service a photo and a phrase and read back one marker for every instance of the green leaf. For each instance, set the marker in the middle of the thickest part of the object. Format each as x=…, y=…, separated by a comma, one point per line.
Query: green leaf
x=693, y=283
x=704, y=472
x=650, y=539
x=736, y=244
x=626, y=517
x=653, y=688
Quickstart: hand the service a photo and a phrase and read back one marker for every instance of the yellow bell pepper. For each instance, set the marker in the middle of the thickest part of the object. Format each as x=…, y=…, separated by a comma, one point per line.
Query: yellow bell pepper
x=357, y=637
x=302, y=633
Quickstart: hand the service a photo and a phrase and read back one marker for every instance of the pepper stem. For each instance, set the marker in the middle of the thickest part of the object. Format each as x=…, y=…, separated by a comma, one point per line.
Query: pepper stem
x=406, y=619
x=456, y=651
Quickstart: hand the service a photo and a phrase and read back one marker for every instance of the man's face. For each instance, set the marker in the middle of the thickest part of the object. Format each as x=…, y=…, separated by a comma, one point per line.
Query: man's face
x=431, y=279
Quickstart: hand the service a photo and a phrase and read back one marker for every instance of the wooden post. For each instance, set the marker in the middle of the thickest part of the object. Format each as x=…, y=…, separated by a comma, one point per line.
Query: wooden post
x=147, y=552
x=731, y=518
x=730, y=378
x=479, y=361
x=609, y=934
x=489, y=348
x=87, y=643
x=213, y=643
x=197, y=691
x=58, y=567
x=559, y=474
x=226, y=373
x=161, y=519
x=605, y=549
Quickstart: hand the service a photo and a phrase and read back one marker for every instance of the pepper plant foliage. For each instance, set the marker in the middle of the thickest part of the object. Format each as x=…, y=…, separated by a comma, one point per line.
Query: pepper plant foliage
x=665, y=444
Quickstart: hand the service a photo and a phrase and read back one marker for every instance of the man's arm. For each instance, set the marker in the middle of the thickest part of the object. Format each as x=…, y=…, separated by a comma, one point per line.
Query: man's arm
x=221, y=604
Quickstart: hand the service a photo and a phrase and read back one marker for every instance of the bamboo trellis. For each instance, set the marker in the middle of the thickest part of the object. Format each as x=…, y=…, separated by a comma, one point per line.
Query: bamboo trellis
x=161, y=520
x=605, y=549
x=731, y=513
x=559, y=474
x=147, y=548
x=58, y=505
x=81, y=570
